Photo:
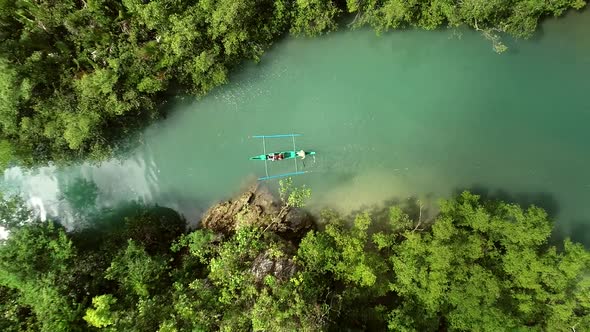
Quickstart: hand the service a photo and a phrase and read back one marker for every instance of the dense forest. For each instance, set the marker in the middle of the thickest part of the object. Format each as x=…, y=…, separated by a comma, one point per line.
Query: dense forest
x=78, y=76
x=474, y=266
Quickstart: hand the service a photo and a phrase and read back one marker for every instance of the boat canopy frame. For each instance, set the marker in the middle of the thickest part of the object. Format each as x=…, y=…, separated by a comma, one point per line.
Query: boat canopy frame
x=270, y=177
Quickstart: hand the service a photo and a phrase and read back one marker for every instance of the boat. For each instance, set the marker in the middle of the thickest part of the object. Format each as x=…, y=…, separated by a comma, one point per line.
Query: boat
x=290, y=154
x=286, y=155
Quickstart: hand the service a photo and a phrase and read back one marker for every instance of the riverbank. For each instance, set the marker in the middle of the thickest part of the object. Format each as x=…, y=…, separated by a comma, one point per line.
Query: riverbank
x=258, y=263
x=79, y=79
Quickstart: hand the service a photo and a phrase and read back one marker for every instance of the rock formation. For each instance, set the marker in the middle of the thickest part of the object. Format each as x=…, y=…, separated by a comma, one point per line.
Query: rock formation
x=257, y=206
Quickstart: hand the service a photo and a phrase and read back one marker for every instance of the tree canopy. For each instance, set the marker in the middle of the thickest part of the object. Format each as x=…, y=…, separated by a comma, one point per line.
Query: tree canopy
x=476, y=266
x=76, y=77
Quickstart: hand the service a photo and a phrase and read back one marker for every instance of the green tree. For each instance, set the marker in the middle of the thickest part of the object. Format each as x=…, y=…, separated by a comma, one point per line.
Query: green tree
x=314, y=17
x=487, y=268
x=101, y=315
x=476, y=266
x=15, y=316
x=36, y=261
x=136, y=271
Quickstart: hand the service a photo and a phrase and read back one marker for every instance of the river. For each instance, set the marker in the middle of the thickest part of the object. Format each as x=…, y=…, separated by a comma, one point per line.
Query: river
x=409, y=113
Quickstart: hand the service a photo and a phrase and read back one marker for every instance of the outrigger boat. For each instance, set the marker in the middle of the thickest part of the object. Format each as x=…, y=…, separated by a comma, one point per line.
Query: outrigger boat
x=283, y=155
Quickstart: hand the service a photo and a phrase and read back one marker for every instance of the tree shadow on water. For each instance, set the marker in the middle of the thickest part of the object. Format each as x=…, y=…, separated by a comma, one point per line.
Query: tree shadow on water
x=574, y=229
x=80, y=193
x=423, y=211
x=153, y=226
x=544, y=200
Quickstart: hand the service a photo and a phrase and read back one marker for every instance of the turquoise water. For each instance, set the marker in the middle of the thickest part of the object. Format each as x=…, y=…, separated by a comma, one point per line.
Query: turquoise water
x=405, y=113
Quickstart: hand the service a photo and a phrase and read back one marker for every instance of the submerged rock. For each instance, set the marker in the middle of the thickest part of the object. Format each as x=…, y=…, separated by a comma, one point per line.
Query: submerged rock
x=257, y=206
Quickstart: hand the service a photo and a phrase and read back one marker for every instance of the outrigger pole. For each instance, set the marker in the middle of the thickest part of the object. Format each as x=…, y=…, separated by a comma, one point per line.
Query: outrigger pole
x=280, y=175
x=294, y=159
x=265, y=161
x=276, y=136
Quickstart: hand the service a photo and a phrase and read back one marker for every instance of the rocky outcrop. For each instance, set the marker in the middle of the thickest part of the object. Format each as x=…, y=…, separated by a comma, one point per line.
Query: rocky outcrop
x=282, y=268
x=257, y=206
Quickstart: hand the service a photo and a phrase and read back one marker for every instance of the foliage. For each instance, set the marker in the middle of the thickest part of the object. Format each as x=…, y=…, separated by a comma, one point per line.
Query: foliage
x=48, y=277
x=6, y=154
x=77, y=77
x=487, y=268
x=343, y=251
x=477, y=266
x=36, y=261
x=101, y=316
x=314, y=17
x=135, y=270
x=293, y=196
x=14, y=212
x=518, y=18
x=15, y=316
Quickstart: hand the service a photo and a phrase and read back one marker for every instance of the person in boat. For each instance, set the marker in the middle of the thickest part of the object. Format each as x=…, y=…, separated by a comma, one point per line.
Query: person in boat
x=301, y=154
x=275, y=156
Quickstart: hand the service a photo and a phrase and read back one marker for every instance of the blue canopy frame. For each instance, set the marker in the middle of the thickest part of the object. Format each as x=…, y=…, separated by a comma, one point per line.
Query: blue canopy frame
x=270, y=177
